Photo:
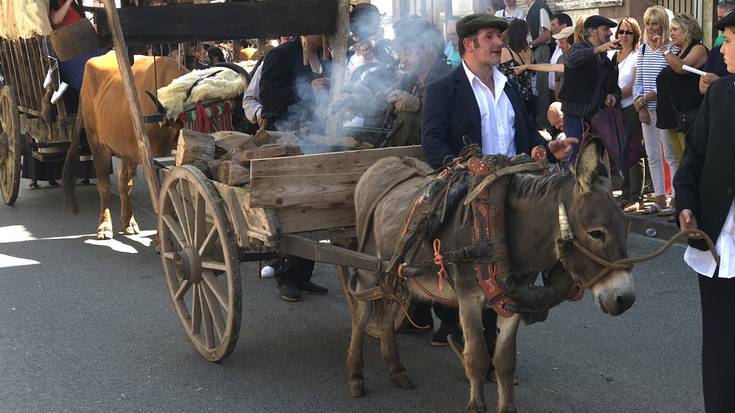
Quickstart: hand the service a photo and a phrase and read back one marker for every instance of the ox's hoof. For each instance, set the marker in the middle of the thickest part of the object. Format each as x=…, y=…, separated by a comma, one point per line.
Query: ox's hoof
x=357, y=388
x=104, y=233
x=131, y=228
x=476, y=407
x=402, y=381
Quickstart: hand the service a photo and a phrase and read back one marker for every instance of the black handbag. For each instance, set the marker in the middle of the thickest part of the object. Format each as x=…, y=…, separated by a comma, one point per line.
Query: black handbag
x=685, y=120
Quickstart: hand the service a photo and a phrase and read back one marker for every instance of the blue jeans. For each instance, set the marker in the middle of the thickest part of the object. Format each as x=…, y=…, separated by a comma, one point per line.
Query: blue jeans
x=573, y=128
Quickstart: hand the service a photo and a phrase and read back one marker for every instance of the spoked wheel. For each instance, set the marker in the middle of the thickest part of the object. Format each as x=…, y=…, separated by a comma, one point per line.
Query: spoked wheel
x=200, y=261
x=9, y=145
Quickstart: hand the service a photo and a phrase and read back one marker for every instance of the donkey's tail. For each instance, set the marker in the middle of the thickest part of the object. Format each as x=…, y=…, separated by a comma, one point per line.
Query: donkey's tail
x=71, y=165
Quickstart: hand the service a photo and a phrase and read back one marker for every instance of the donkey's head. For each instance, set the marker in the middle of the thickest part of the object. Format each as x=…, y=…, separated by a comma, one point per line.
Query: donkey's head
x=600, y=227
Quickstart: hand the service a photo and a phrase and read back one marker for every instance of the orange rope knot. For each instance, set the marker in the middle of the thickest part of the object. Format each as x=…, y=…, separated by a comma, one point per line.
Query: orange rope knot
x=416, y=204
x=439, y=260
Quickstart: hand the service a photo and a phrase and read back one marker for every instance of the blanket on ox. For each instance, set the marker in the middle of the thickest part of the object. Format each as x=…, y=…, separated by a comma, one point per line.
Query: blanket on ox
x=212, y=84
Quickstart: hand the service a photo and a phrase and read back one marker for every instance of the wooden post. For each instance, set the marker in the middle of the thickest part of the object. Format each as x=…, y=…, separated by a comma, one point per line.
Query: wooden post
x=339, y=64
x=126, y=74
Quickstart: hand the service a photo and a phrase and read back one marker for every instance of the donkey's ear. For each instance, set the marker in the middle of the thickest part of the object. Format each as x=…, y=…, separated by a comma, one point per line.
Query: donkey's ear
x=592, y=165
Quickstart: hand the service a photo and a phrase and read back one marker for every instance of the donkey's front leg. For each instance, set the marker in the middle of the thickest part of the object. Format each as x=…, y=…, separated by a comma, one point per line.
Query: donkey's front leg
x=476, y=358
x=505, y=361
x=388, y=345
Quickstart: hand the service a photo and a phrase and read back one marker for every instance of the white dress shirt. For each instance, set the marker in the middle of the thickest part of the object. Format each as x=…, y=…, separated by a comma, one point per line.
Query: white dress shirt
x=497, y=117
x=552, y=75
x=703, y=262
x=251, y=98
x=517, y=13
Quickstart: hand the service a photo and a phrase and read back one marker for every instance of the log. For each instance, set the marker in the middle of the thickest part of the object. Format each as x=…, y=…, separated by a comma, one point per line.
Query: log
x=230, y=173
x=227, y=141
x=213, y=167
x=194, y=146
x=263, y=137
x=267, y=151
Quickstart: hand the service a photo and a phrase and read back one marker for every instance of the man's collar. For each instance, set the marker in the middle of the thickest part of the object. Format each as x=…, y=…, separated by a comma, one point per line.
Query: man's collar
x=498, y=78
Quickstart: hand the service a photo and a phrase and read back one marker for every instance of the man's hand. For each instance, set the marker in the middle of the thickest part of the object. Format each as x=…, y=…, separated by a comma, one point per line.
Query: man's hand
x=610, y=101
x=403, y=101
x=321, y=83
x=687, y=220
x=611, y=45
x=562, y=148
x=645, y=117
x=262, y=123
x=705, y=81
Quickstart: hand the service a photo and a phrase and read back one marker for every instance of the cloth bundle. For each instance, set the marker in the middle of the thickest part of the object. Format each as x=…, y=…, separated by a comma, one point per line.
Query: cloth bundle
x=24, y=19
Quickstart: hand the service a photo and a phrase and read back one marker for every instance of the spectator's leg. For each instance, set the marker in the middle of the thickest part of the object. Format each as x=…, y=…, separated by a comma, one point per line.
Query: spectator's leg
x=652, y=137
x=573, y=129
x=718, y=343
x=542, y=54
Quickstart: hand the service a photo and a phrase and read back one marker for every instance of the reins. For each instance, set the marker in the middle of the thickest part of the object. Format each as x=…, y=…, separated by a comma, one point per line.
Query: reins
x=627, y=263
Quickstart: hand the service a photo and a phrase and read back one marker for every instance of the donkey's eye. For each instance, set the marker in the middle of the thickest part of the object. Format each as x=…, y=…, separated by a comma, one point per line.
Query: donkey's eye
x=597, y=234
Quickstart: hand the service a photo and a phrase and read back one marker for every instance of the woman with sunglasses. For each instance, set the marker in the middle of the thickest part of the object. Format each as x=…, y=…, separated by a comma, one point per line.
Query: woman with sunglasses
x=629, y=36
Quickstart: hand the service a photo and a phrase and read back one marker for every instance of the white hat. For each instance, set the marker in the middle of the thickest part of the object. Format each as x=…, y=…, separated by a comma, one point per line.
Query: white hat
x=564, y=33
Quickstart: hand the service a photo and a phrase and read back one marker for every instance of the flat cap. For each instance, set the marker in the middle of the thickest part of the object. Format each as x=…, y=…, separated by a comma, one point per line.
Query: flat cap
x=475, y=22
x=726, y=2
x=728, y=20
x=597, y=21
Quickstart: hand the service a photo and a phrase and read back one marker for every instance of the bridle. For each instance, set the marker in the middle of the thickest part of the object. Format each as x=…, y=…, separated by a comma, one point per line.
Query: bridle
x=567, y=240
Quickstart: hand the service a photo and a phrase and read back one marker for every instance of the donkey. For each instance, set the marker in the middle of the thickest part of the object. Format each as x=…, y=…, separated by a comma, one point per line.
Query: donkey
x=536, y=218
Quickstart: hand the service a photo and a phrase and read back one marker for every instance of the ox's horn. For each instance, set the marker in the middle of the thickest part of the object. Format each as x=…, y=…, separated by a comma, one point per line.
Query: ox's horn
x=564, y=227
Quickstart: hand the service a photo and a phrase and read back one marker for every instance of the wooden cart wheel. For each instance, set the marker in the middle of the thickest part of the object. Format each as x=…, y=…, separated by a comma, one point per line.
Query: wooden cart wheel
x=9, y=145
x=200, y=261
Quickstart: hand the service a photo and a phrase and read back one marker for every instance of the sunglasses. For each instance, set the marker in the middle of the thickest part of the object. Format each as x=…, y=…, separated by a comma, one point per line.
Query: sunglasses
x=628, y=32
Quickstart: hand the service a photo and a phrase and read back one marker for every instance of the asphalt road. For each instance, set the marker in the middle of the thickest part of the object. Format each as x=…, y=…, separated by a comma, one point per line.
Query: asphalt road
x=88, y=326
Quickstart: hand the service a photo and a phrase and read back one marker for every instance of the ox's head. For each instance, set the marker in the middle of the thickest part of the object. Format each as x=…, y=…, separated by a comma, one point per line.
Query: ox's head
x=599, y=225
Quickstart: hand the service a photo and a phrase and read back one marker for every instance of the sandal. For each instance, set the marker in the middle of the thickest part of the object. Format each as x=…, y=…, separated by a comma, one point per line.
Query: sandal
x=634, y=207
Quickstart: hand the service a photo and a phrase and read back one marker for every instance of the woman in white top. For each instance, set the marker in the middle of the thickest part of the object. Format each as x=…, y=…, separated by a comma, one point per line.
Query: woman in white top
x=511, y=11
x=658, y=141
x=629, y=35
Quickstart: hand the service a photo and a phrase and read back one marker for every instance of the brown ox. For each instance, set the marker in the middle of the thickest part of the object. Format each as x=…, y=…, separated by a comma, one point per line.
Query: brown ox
x=109, y=128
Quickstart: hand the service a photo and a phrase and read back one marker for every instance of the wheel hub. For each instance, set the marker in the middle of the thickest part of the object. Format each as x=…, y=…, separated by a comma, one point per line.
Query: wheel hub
x=188, y=265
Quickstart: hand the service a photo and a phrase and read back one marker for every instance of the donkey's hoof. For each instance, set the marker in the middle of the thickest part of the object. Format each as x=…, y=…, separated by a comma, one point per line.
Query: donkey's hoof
x=476, y=407
x=402, y=381
x=357, y=389
x=104, y=234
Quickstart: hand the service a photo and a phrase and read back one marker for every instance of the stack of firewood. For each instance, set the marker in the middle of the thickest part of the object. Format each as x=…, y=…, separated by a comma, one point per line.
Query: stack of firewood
x=225, y=156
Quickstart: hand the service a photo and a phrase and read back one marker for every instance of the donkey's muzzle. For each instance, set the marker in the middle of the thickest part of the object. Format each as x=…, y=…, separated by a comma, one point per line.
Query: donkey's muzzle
x=615, y=293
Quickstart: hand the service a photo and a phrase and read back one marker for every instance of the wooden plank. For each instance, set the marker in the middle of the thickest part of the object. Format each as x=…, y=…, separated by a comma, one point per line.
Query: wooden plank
x=217, y=21
x=19, y=86
x=123, y=63
x=323, y=163
x=295, y=220
x=316, y=191
x=35, y=83
x=25, y=75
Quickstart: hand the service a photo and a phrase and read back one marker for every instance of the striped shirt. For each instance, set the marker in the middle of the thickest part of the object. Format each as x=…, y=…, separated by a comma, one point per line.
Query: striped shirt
x=650, y=63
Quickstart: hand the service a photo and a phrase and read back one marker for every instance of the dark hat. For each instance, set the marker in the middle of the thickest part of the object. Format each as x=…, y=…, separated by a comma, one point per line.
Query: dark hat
x=726, y=2
x=597, y=21
x=728, y=20
x=473, y=23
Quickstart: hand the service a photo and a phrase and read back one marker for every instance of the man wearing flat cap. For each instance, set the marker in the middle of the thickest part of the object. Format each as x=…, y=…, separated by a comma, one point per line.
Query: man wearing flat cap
x=590, y=77
x=476, y=104
x=705, y=188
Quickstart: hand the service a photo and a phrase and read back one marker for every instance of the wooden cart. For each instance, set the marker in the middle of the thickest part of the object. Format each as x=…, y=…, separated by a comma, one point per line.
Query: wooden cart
x=299, y=205
x=25, y=63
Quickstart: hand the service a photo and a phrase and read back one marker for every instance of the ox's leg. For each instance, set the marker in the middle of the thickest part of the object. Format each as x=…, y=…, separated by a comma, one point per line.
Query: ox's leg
x=388, y=347
x=125, y=179
x=476, y=358
x=505, y=361
x=102, y=165
x=355, y=363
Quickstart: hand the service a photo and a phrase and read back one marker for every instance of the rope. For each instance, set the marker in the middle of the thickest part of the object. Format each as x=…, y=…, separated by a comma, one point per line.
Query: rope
x=416, y=204
x=439, y=261
x=627, y=263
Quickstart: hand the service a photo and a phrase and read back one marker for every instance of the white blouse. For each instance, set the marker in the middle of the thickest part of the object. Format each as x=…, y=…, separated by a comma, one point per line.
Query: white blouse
x=626, y=74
